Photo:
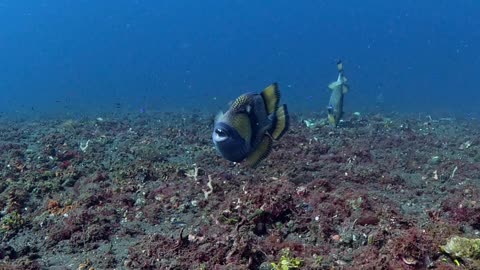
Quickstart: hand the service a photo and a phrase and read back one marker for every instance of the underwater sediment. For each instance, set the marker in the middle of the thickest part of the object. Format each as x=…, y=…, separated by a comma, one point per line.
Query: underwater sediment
x=150, y=192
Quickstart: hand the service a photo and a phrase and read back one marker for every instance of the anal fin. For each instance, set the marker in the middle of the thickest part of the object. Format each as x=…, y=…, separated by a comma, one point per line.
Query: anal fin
x=263, y=150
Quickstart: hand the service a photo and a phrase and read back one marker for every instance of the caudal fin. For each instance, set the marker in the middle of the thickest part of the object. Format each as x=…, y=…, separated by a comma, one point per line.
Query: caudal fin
x=342, y=77
x=340, y=66
x=282, y=122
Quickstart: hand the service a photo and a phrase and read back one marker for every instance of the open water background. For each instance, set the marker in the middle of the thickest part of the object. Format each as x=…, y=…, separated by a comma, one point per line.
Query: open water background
x=88, y=57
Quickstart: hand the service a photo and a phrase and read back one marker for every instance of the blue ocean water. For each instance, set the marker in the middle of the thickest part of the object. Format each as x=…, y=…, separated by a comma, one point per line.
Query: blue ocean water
x=82, y=57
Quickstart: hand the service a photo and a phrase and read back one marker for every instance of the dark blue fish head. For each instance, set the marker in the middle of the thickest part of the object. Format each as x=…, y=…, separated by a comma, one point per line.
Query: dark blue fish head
x=229, y=143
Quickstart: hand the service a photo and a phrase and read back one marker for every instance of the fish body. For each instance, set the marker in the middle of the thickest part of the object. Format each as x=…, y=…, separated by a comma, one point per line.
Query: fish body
x=335, y=105
x=247, y=130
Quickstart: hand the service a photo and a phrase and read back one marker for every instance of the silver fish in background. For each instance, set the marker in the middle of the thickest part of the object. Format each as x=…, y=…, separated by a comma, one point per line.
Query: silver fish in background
x=339, y=89
x=247, y=130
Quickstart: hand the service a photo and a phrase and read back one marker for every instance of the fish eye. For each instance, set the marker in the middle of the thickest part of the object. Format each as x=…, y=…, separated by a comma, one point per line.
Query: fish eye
x=221, y=133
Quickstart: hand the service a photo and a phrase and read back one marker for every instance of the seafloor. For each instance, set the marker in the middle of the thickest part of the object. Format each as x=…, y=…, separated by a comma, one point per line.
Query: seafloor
x=150, y=192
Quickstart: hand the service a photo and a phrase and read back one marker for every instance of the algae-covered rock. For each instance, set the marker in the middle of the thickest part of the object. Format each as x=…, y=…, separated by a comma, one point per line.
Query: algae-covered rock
x=462, y=248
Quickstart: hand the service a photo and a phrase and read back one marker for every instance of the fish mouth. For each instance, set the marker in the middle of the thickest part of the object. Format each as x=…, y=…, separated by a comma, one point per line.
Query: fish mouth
x=233, y=154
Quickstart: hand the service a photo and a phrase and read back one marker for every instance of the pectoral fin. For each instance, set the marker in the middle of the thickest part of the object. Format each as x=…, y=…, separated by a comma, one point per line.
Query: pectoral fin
x=271, y=97
x=334, y=85
x=261, y=152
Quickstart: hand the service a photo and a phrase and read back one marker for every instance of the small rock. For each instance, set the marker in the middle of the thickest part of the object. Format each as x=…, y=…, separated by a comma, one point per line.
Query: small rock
x=265, y=266
x=435, y=160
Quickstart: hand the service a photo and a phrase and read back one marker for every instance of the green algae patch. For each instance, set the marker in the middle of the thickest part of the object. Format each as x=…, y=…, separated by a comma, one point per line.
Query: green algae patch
x=11, y=222
x=287, y=262
x=462, y=248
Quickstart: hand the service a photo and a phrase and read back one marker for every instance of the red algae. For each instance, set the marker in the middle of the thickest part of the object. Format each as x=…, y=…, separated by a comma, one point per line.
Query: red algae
x=149, y=192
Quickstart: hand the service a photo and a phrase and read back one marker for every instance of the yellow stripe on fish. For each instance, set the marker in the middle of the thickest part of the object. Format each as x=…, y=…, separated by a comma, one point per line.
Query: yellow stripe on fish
x=241, y=123
x=271, y=97
x=281, y=123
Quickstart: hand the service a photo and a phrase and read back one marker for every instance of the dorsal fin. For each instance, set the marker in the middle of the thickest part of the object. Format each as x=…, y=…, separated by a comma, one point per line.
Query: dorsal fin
x=240, y=104
x=271, y=97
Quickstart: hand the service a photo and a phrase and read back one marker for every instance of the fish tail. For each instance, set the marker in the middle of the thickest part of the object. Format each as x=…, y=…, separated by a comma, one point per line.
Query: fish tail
x=342, y=77
x=340, y=66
